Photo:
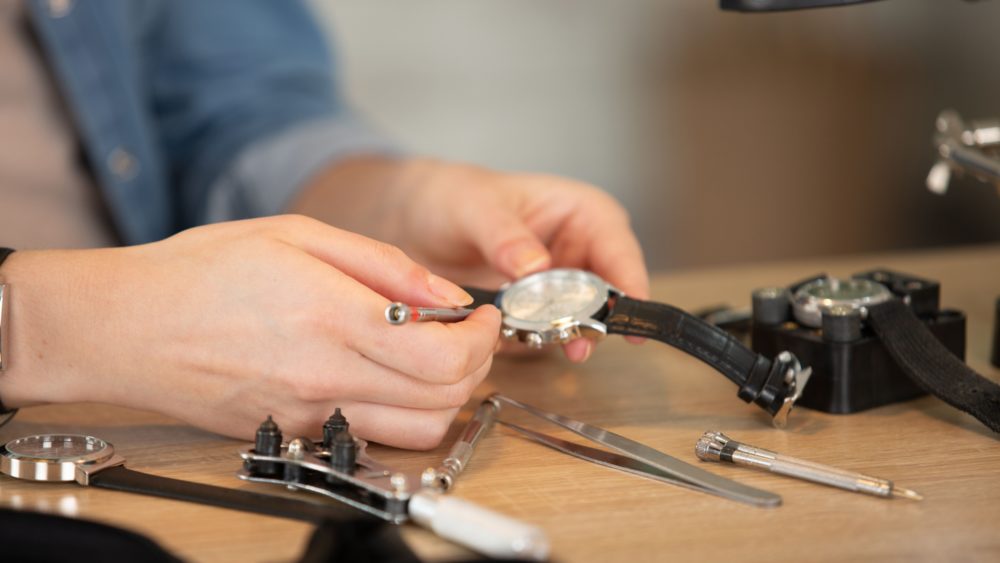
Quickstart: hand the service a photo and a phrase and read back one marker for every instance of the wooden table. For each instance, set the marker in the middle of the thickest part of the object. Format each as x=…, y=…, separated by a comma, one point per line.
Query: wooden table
x=653, y=394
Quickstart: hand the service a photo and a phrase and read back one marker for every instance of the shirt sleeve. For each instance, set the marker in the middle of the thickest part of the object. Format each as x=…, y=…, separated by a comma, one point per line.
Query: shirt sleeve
x=267, y=175
x=247, y=105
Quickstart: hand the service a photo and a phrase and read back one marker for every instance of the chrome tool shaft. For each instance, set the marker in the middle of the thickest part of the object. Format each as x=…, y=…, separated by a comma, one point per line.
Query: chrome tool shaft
x=400, y=313
x=716, y=446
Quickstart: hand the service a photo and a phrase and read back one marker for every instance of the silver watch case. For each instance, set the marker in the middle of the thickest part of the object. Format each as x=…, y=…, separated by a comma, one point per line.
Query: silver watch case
x=57, y=457
x=813, y=298
x=578, y=324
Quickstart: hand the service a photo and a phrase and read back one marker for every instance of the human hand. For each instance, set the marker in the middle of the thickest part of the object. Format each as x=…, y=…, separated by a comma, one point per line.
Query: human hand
x=483, y=227
x=222, y=325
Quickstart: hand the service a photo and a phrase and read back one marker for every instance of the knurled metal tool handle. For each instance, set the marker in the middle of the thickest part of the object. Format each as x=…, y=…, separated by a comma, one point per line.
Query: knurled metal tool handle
x=461, y=452
x=817, y=473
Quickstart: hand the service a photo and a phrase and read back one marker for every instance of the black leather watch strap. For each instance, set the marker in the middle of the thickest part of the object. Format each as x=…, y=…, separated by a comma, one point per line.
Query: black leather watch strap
x=119, y=478
x=932, y=366
x=760, y=380
x=482, y=296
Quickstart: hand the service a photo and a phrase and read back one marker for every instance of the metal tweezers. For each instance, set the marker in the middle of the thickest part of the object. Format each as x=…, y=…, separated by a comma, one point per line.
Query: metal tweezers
x=632, y=457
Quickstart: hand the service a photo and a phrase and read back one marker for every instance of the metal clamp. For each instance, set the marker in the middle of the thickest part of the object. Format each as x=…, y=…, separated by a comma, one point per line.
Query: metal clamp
x=342, y=469
x=972, y=148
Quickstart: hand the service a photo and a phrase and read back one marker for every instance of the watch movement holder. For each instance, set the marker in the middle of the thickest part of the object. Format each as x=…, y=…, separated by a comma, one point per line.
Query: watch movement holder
x=852, y=370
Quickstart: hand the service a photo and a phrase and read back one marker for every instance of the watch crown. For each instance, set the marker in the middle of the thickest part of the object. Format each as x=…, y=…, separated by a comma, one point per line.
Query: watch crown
x=508, y=333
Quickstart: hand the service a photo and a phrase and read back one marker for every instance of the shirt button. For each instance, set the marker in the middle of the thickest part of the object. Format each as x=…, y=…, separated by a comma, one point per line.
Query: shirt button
x=122, y=164
x=59, y=8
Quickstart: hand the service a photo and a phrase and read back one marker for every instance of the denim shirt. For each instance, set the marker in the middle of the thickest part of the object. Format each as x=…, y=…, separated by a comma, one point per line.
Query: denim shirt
x=193, y=111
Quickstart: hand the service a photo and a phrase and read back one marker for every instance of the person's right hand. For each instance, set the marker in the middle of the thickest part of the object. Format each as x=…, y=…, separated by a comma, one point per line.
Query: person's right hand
x=223, y=325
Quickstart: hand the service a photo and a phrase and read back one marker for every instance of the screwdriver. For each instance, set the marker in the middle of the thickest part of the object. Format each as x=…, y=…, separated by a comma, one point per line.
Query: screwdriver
x=716, y=446
x=401, y=313
x=443, y=478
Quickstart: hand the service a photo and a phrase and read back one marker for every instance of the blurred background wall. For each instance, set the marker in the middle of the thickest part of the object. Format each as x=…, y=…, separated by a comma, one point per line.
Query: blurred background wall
x=730, y=137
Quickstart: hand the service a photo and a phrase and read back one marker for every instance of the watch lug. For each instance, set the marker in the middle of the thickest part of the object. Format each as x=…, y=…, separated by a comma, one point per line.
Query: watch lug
x=592, y=329
x=84, y=471
x=614, y=291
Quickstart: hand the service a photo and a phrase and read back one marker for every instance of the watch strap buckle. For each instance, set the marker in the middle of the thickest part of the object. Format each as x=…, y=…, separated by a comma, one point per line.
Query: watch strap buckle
x=799, y=377
x=775, y=386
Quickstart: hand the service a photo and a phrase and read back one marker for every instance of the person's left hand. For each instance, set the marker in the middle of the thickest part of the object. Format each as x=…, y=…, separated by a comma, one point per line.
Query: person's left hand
x=480, y=227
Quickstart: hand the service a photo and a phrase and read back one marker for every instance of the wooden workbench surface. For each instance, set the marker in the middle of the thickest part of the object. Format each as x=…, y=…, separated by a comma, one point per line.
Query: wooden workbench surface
x=650, y=393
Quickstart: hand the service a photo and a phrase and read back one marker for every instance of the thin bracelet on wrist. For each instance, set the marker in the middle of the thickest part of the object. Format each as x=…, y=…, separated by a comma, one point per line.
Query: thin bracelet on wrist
x=5, y=413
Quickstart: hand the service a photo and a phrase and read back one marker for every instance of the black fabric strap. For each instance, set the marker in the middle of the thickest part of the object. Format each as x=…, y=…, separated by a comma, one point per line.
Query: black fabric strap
x=4, y=253
x=932, y=366
x=47, y=538
x=357, y=542
x=759, y=379
x=121, y=479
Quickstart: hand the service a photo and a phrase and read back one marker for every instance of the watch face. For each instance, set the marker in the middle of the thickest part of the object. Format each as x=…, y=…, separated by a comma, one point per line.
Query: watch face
x=58, y=447
x=52, y=457
x=813, y=298
x=554, y=295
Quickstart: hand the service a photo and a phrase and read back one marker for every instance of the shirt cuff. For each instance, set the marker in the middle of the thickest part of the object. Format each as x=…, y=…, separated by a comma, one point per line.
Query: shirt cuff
x=269, y=173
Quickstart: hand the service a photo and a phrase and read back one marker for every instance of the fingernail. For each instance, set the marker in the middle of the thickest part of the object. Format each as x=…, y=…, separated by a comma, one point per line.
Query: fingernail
x=448, y=292
x=586, y=351
x=529, y=259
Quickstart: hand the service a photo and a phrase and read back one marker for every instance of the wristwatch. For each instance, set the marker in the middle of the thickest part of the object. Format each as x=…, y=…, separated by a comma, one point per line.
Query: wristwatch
x=811, y=299
x=560, y=305
x=93, y=462
x=846, y=305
